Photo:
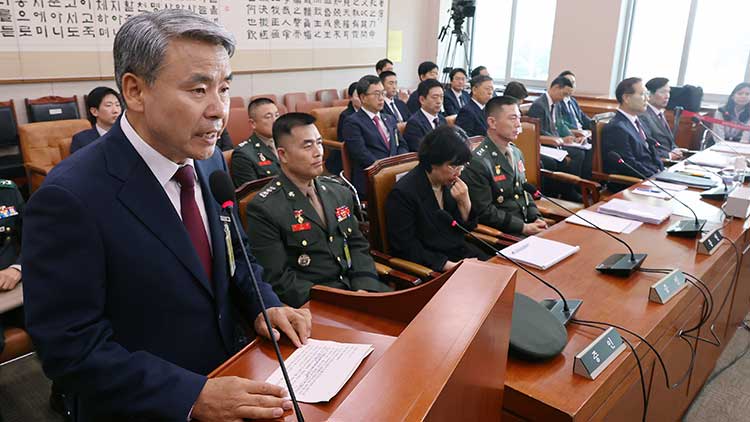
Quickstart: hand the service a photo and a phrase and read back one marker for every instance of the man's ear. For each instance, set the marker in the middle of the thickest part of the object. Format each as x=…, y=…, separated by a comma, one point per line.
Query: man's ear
x=281, y=152
x=133, y=91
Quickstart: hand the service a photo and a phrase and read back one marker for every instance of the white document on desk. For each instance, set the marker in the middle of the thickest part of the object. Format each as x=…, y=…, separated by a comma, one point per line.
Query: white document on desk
x=673, y=187
x=539, y=252
x=652, y=192
x=584, y=145
x=554, y=153
x=734, y=148
x=319, y=369
x=605, y=222
x=635, y=211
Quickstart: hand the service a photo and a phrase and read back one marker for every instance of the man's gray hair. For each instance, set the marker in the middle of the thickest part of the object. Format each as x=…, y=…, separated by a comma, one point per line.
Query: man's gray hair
x=141, y=43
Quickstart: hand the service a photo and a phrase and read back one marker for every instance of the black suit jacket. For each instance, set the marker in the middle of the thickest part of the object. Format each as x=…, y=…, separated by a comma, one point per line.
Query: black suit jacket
x=579, y=114
x=365, y=145
x=471, y=119
x=656, y=130
x=620, y=136
x=417, y=127
x=83, y=138
x=415, y=230
x=540, y=110
x=134, y=324
x=402, y=108
x=413, y=103
x=450, y=101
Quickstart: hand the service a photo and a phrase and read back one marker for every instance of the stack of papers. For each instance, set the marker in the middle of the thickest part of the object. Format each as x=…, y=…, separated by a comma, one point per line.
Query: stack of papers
x=604, y=222
x=554, y=153
x=635, y=211
x=734, y=148
x=538, y=252
x=650, y=191
x=319, y=369
x=672, y=187
x=707, y=159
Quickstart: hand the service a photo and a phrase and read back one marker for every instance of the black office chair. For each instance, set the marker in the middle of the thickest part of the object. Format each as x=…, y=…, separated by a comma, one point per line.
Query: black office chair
x=46, y=109
x=11, y=163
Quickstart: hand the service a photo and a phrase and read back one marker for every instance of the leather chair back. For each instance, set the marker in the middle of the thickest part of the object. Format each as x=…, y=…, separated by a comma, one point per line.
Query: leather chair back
x=8, y=124
x=44, y=144
x=246, y=193
x=327, y=96
x=292, y=99
x=308, y=106
x=51, y=108
x=342, y=102
x=381, y=176
x=238, y=125
x=228, y=159
x=597, y=164
x=236, y=102
x=327, y=120
x=530, y=145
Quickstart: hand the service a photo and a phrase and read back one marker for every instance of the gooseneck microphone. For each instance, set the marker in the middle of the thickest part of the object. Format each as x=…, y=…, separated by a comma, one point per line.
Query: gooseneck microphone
x=682, y=228
x=717, y=193
x=222, y=189
x=697, y=120
x=621, y=265
x=537, y=328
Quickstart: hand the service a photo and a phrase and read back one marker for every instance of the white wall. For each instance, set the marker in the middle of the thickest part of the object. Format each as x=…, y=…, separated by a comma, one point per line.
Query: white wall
x=586, y=40
x=418, y=19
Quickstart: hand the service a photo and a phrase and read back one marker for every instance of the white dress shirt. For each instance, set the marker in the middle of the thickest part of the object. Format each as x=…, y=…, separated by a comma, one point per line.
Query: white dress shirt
x=632, y=119
x=390, y=103
x=163, y=169
x=430, y=117
x=100, y=130
x=481, y=106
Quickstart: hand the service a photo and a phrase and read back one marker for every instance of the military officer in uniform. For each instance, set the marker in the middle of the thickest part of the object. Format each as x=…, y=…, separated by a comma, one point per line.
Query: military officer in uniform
x=496, y=174
x=301, y=226
x=256, y=158
x=11, y=207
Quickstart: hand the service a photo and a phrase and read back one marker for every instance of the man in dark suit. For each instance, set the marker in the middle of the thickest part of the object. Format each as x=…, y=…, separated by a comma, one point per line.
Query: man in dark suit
x=102, y=109
x=426, y=70
x=145, y=308
x=455, y=96
x=393, y=105
x=654, y=122
x=546, y=108
x=256, y=158
x=333, y=162
x=471, y=117
x=573, y=116
x=429, y=117
x=369, y=134
x=625, y=135
x=383, y=65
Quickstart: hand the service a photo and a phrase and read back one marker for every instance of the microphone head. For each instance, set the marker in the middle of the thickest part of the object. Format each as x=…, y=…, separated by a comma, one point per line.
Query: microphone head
x=614, y=156
x=678, y=108
x=446, y=218
x=695, y=119
x=222, y=188
x=532, y=190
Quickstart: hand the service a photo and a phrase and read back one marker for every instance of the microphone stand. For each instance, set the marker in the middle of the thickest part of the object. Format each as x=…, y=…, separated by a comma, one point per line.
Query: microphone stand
x=682, y=228
x=619, y=264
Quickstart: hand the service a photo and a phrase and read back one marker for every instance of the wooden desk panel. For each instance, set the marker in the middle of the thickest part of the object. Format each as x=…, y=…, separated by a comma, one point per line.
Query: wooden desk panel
x=550, y=391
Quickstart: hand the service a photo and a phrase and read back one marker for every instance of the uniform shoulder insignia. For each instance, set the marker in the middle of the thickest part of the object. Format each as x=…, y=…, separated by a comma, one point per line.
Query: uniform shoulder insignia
x=8, y=184
x=268, y=190
x=332, y=181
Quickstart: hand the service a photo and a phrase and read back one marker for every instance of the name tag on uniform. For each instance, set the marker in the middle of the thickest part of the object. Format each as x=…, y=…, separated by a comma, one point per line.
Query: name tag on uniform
x=500, y=178
x=301, y=227
x=264, y=163
x=521, y=168
x=6, y=212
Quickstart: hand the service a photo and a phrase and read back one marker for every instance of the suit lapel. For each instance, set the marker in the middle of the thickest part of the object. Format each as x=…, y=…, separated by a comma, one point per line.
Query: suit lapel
x=215, y=226
x=329, y=206
x=147, y=200
x=369, y=125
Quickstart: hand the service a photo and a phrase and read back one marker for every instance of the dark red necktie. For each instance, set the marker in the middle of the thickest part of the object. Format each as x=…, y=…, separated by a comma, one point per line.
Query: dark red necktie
x=640, y=129
x=191, y=217
x=376, y=119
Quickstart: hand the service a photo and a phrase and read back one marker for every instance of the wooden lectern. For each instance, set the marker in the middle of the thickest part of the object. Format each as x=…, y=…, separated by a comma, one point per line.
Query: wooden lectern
x=440, y=348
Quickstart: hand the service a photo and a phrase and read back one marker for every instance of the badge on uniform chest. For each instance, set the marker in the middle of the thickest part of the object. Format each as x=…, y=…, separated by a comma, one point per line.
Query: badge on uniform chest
x=342, y=213
x=499, y=176
x=521, y=168
x=262, y=160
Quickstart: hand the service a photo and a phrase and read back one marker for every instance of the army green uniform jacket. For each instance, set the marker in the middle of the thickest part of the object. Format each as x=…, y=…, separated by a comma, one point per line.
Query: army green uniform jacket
x=253, y=160
x=297, y=251
x=11, y=207
x=496, y=188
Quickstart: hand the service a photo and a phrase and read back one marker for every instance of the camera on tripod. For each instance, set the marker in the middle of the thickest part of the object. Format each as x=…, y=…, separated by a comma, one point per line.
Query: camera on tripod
x=460, y=11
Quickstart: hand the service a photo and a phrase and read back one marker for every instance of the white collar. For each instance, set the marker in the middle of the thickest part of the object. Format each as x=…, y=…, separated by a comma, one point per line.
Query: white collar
x=654, y=109
x=549, y=100
x=162, y=167
x=389, y=101
x=370, y=114
x=100, y=130
x=429, y=116
x=457, y=93
x=566, y=100
x=481, y=106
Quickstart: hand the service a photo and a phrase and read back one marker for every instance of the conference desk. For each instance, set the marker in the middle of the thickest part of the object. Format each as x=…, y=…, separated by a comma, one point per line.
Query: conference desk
x=440, y=348
x=550, y=391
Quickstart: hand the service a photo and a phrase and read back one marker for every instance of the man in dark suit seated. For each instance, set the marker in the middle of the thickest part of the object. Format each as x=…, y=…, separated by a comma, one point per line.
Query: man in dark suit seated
x=574, y=117
x=428, y=117
x=102, y=109
x=455, y=96
x=383, y=65
x=625, y=135
x=369, y=134
x=547, y=108
x=256, y=158
x=654, y=122
x=298, y=208
x=416, y=231
x=145, y=308
x=496, y=174
x=471, y=118
x=426, y=70
x=393, y=105
x=333, y=162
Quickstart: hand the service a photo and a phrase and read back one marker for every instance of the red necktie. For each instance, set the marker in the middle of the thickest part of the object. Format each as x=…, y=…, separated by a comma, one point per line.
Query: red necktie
x=640, y=129
x=376, y=119
x=664, y=122
x=191, y=217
